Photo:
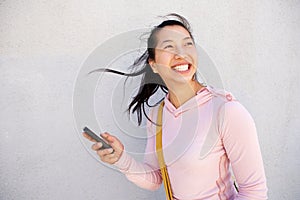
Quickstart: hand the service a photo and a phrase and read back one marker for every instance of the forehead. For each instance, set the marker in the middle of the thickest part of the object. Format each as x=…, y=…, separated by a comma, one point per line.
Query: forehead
x=174, y=32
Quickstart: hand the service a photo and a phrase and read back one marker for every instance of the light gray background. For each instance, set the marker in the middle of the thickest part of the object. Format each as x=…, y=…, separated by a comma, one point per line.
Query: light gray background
x=43, y=44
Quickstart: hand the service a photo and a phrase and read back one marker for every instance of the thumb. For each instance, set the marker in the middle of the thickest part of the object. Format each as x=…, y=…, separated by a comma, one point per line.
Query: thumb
x=113, y=141
x=109, y=138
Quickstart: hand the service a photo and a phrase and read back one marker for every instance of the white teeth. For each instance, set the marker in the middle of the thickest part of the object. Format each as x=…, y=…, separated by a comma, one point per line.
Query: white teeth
x=181, y=68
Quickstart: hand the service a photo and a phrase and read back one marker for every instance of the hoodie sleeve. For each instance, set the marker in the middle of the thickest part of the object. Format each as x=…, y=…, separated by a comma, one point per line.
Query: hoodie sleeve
x=240, y=140
x=144, y=174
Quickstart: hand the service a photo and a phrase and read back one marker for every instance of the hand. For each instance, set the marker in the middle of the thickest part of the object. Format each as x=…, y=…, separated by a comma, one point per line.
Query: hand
x=106, y=155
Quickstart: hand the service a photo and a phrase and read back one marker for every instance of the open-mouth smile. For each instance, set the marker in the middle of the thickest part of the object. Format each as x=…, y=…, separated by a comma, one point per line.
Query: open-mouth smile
x=182, y=67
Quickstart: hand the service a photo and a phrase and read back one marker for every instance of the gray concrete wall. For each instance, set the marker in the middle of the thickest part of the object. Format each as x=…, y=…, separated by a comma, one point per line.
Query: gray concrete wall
x=44, y=44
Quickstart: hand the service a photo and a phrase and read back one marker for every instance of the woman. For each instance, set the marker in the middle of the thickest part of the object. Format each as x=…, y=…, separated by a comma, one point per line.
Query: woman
x=201, y=138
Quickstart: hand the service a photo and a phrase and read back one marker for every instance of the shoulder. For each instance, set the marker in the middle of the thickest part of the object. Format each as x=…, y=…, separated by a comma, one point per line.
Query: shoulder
x=229, y=107
x=234, y=120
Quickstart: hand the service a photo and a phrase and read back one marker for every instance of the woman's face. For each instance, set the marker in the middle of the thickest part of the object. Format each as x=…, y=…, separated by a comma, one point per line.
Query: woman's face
x=175, y=55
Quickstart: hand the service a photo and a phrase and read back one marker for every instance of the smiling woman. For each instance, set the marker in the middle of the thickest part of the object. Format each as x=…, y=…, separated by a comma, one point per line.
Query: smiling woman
x=176, y=62
x=195, y=135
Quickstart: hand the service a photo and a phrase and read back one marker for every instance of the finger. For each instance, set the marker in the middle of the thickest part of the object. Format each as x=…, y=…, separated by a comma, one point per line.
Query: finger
x=110, y=158
x=104, y=152
x=113, y=141
x=97, y=146
x=109, y=138
x=114, y=160
x=88, y=137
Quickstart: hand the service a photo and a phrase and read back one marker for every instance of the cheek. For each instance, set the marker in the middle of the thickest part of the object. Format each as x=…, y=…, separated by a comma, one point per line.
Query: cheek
x=194, y=56
x=192, y=51
x=163, y=57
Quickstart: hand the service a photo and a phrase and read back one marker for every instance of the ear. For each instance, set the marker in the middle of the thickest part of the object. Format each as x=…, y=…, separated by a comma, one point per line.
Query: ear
x=153, y=65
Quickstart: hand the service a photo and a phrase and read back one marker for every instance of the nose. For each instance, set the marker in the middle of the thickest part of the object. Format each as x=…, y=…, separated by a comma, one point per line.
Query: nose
x=179, y=53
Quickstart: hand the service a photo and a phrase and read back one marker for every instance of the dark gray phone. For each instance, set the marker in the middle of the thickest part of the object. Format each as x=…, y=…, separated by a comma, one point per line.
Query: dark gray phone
x=97, y=138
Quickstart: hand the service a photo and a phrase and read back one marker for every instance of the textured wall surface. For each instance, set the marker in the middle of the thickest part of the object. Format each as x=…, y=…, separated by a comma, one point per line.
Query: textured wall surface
x=43, y=44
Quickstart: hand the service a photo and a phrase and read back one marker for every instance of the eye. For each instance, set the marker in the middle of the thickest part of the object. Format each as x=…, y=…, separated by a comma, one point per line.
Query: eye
x=168, y=47
x=189, y=44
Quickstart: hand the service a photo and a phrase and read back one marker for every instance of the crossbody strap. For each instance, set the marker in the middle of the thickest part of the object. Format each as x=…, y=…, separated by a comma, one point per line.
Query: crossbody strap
x=160, y=155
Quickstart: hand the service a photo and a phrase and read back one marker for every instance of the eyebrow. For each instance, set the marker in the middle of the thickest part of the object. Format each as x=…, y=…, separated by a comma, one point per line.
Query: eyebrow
x=165, y=41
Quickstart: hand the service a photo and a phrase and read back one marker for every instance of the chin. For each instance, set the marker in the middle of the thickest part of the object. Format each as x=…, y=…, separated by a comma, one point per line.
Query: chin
x=185, y=79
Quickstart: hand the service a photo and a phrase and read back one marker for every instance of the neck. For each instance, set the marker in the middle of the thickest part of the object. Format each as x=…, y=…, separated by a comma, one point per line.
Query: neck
x=182, y=93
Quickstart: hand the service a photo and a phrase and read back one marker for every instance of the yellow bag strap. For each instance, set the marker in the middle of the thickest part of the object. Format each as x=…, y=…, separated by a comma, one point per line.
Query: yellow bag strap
x=160, y=155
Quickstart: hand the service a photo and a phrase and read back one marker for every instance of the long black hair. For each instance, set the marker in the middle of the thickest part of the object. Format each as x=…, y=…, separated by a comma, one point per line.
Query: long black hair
x=150, y=81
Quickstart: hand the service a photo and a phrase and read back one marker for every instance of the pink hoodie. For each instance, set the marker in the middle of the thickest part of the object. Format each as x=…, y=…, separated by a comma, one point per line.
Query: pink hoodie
x=201, y=139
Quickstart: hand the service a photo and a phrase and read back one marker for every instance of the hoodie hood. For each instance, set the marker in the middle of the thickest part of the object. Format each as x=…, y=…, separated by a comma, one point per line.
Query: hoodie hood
x=201, y=97
x=204, y=95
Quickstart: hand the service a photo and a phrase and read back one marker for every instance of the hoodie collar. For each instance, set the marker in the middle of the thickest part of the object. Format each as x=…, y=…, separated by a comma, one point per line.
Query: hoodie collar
x=201, y=97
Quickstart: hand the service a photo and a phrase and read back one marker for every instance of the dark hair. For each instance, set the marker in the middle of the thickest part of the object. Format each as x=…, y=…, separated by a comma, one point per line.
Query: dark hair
x=151, y=81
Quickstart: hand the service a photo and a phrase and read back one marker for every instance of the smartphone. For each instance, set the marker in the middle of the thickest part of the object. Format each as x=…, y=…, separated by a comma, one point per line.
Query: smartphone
x=97, y=138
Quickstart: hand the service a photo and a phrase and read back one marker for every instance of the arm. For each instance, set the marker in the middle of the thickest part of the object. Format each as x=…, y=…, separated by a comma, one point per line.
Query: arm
x=147, y=174
x=240, y=140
